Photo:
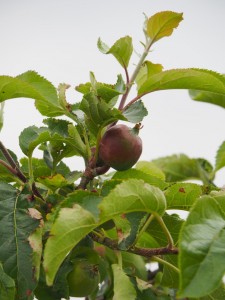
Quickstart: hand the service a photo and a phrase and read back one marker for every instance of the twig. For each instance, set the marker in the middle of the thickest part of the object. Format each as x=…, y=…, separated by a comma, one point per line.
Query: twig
x=146, y=252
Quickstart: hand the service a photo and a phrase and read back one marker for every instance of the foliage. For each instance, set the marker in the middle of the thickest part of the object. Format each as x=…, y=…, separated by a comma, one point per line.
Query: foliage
x=112, y=225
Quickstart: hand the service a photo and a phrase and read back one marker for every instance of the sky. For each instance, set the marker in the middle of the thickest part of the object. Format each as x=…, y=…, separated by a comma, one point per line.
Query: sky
x=58, y=39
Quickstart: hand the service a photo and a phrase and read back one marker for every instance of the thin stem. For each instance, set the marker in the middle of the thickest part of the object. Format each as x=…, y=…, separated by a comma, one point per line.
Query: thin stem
x=166, y=263
x=119, y=258
x=145, y=226
x=135, y=73
x=12, y=163
x=165, y=230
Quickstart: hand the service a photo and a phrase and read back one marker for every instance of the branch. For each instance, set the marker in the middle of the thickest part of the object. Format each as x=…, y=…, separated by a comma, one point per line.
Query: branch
x=146, y=252
x=12, y=163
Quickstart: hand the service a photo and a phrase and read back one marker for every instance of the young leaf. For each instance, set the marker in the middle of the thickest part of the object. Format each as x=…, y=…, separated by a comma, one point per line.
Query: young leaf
x=202, y=253
x=123, y=288
x=121, y=50
x=7, y=286
x=130, y=196
x=147, y=70
x=71, y=225
x=32, y=85
x=31, y=137
x=136, y=112
x=18, y=222
x=220, y=157
x=208, y=97
x=197, y=79
x=182, y=195
x=162, y=24
x=98, y=112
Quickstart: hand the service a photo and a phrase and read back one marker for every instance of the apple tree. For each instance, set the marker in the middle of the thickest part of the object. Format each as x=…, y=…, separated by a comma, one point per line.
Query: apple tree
x=94, y=233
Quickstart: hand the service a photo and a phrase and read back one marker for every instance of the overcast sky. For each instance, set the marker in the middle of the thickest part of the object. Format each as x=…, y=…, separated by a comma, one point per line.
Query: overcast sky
x=58, y=40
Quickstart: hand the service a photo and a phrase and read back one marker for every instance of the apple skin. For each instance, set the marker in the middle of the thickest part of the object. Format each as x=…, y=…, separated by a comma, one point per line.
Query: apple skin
x=120, y=147
x=83, y=279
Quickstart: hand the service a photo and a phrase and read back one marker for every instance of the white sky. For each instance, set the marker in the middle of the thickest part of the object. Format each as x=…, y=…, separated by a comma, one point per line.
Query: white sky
x=58, y=40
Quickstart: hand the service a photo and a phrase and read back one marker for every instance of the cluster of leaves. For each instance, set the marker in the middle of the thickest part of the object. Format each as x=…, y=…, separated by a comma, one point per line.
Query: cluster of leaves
x=49, y=213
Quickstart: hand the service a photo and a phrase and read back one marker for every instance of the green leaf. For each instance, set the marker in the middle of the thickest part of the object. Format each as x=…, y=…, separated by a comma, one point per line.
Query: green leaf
x=123, y=288
x=53, y=182
x=87, y=200
x=139, y=174
x=19, y=255
x=218, y=294
x=220, y=157
x=208, y=97
x=98, y=112
x=1, y=114
x=202, y=253
x=150, y=168
x=173, y=223
x=136, y=112
x=130, y=196
x=135, y=222
x=7, y=286
x=32, y=85
x=181, y=167
x=147, y=70
x=162, y=24
x=182, y=195
x=31, y=137
x=170, y=277
x=66, y=140
x=197, y=79
x=121, y=50
x=71, y=225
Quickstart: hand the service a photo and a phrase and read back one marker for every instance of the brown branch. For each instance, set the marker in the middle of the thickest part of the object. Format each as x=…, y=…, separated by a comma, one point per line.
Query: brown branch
x=15, y=169
x=89, y=175
x=146, y=252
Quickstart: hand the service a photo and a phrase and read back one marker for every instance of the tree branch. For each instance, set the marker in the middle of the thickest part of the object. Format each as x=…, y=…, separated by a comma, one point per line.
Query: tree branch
x=146, y=252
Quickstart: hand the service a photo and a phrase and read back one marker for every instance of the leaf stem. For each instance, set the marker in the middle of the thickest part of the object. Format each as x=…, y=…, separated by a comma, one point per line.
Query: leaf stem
x=165, y=230
x=145, y=226
x=166, y=263
x=135, y=73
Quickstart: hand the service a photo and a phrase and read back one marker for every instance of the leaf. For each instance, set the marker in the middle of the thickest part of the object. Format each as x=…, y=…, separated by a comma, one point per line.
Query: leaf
x=208, y=97
x=130, y=196
x=121, y=50
x=150, y=168
x=31, y=85
x=71, y=225
x=218, y=294
x=123, y=288
x=18, y=222
x=182, y=195
x=138, y=174
x=31, y=137
x=7, y=286
x=181, y=167
x=173, y=223
x=136, y=112
x=98, y=112
x=162, y=24
x=53, y=182
x=220, y=157
x=202, y=253
x=147, y=70
x=87, y=200
x=1, y=114
x=66, y=140
x=197, y=79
